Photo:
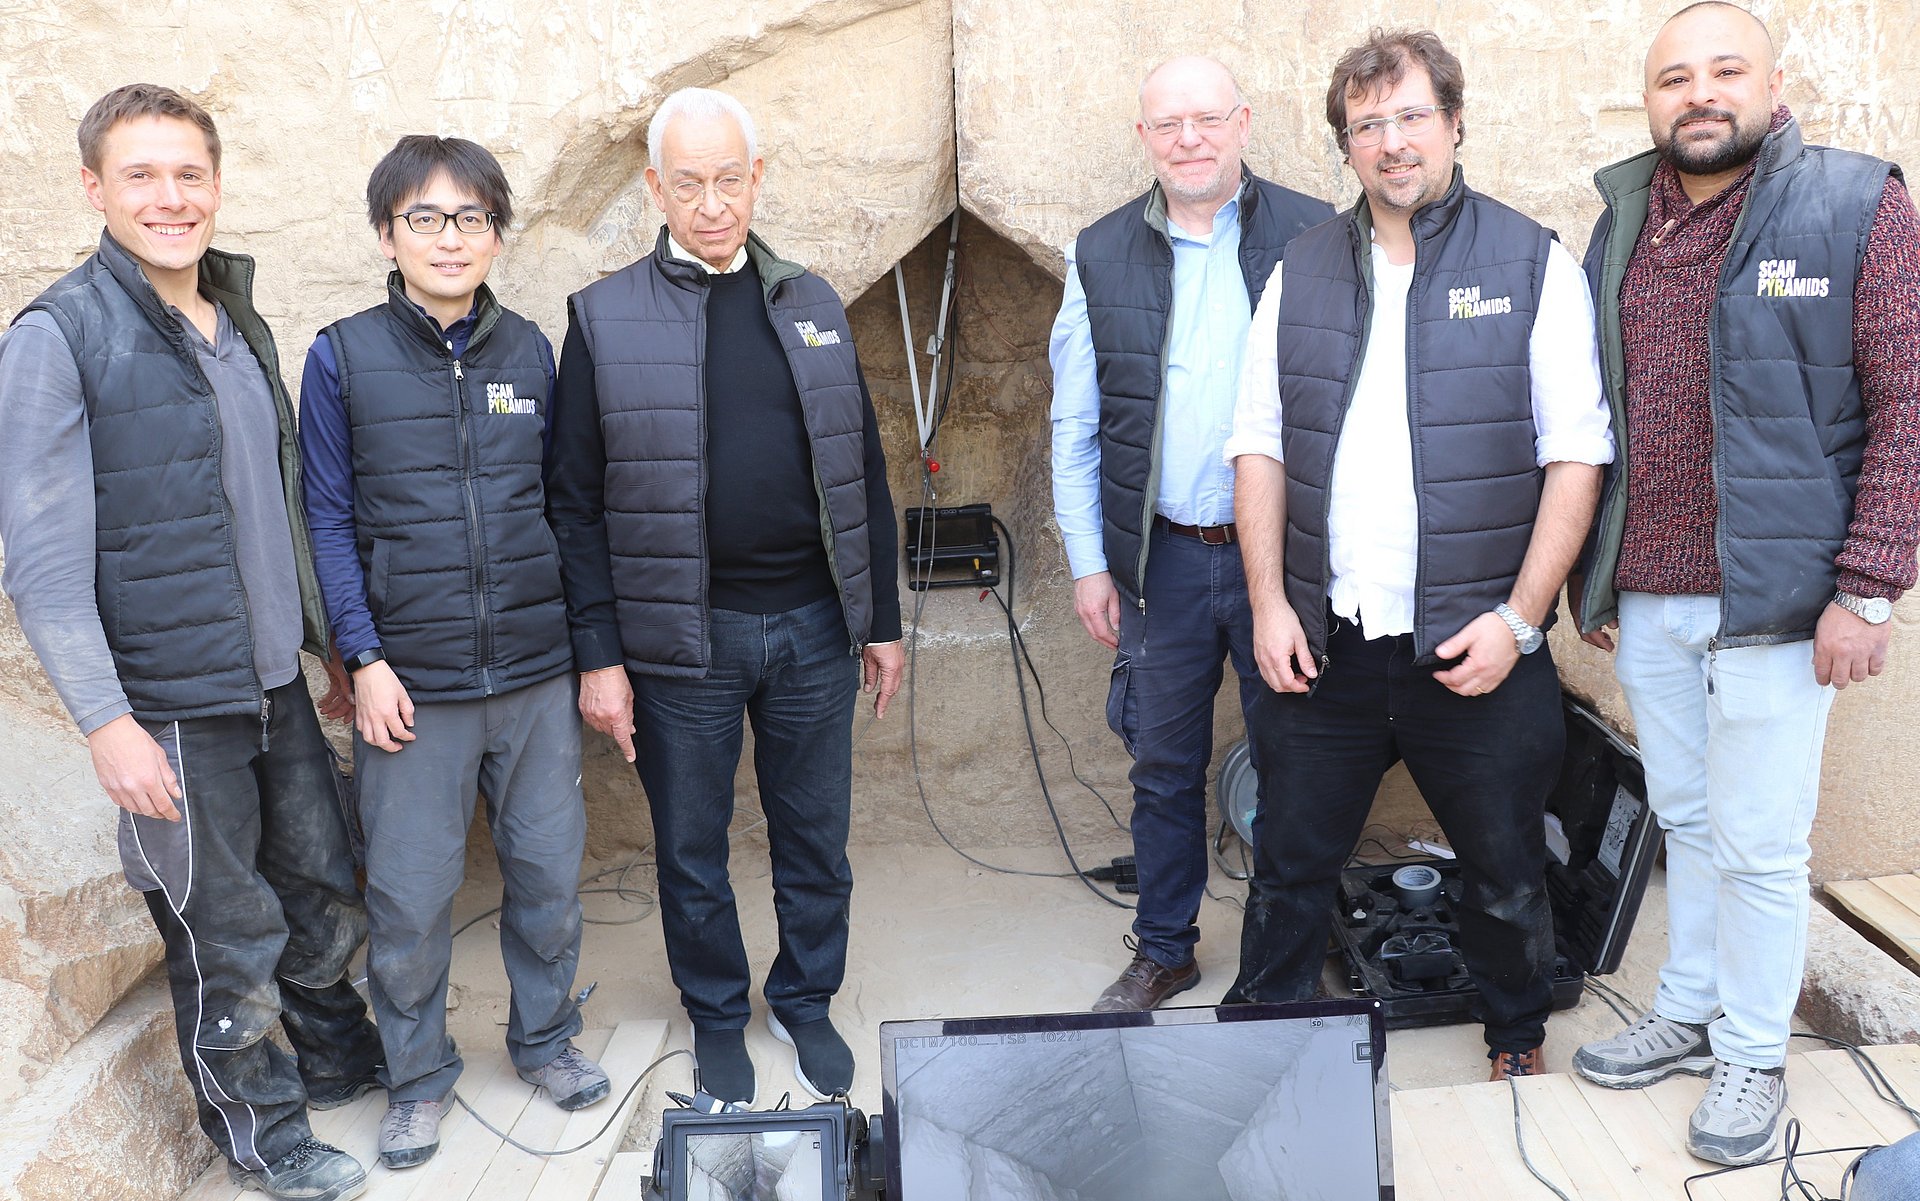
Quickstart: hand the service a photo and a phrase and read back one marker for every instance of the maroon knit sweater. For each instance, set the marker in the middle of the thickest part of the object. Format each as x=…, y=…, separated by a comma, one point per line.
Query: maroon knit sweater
x=1669, y=290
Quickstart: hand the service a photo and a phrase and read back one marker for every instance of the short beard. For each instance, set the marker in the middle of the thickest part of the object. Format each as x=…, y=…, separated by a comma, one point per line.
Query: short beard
x=1713, y=158
x=1198, y=193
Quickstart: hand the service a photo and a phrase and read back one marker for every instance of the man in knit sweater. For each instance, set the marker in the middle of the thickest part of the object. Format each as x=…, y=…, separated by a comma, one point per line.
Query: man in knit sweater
x=1760, y=306
x=718, y=492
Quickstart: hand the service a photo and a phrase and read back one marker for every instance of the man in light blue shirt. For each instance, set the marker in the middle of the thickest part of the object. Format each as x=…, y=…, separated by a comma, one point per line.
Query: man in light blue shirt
x=1146, y=360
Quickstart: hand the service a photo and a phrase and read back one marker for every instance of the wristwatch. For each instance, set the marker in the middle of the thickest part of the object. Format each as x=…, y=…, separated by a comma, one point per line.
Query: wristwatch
x=1874, y=610
x=1525, y=635
x=366, y=659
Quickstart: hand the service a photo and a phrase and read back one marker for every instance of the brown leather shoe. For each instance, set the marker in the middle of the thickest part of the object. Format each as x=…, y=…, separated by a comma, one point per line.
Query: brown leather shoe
x=1515, y=1065
x=1145, y=984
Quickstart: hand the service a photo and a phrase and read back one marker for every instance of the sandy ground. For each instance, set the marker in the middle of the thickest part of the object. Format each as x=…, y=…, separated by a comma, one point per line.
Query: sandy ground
x=936, y=936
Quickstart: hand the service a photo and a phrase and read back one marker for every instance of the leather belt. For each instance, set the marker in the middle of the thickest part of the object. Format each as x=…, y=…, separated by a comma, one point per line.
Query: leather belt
x=1212, y=535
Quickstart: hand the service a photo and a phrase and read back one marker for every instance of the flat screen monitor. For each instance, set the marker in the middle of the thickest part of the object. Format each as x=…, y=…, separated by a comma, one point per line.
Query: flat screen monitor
x=1226, y=1103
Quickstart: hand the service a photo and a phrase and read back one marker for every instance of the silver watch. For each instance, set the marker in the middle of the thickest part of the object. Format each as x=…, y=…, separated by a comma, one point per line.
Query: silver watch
x=1525, y=635
x=1874, y=610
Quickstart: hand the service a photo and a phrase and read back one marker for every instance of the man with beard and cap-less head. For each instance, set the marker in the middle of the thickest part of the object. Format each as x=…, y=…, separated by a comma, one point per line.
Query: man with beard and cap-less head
x=1417, y=447
x=1760, y=310
x=1146, y=362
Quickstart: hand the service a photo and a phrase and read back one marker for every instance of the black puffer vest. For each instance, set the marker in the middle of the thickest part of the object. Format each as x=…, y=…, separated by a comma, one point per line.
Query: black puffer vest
x=1126, y=269
x=1788, y=426
x=165, y=573
x=645, y=328
x=463, y=578
x=1478, y=270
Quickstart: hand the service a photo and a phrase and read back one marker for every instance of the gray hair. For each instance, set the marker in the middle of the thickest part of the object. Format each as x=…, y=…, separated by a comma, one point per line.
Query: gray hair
x=1239, y=97
x=698, y=102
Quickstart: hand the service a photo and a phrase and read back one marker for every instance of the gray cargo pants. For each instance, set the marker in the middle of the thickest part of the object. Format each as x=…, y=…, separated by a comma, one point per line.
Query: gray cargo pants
x=520, y=750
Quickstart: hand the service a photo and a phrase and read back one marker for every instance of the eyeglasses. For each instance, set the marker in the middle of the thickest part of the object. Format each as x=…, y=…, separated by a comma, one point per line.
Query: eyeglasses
x=1412, y=123
x=1203, y=124
x=432, y=221
x=693, y=191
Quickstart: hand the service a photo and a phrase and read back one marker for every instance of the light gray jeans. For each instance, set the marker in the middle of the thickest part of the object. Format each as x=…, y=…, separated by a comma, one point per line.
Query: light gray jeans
x=521, y=751
x=1731, y=740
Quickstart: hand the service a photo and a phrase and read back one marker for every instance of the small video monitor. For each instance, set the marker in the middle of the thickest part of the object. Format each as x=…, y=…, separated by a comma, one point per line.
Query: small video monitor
x=778, y=1155
x=1226, y=1103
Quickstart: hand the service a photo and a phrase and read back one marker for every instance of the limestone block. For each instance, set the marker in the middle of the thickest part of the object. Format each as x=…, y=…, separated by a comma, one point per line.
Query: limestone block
x=114, y=1120
x=1853, y=989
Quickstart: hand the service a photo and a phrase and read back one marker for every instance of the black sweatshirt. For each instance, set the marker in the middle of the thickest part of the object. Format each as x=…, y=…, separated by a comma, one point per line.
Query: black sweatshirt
x=764, y=546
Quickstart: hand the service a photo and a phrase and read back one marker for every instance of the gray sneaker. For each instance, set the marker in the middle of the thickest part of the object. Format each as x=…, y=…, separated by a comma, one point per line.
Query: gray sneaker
x=1651, y=1049
x=312, y=1171
x=571, y=1079
x=410, y=1132
x=1735, y=1122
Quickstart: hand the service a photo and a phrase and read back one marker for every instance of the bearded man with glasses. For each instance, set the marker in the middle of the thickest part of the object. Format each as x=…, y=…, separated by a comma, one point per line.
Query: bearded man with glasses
x=1146, y=360
x=1417, y=449
x=423, y=422
x=720, y=496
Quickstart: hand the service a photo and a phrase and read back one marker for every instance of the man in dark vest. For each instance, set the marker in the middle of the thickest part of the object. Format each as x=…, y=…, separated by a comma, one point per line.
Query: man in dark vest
x=1417, y=452
x=1760, y=311
x=423, y=423
x=726, y=536
x=159, y=563
x=1146, y=365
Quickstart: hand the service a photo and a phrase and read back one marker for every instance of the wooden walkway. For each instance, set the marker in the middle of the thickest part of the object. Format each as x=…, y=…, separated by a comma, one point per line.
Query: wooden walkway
x=472, y=1164
x=1596, y=1144
x=1889, y=906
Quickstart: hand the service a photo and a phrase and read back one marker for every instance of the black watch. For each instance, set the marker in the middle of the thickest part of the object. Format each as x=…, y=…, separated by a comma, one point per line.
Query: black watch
x=366, y=659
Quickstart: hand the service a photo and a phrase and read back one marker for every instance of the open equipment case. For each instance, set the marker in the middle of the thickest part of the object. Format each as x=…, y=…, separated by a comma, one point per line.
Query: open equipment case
x=1602, y=840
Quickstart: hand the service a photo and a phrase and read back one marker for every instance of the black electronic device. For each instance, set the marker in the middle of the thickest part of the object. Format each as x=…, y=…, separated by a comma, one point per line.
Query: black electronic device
x=1212, y=1103
x=1398, y=935
x=819, y=1153
x=952, y=547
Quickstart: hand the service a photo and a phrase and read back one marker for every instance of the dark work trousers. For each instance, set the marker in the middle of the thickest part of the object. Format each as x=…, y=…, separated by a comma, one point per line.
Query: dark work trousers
x=1166, y=676
x=254, y=897
x=791, y=675
x=1484, y=764
x=521, y=750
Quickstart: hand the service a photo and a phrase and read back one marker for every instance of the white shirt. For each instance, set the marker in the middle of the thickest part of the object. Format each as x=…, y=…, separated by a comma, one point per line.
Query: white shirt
x=681, y=252
x=1373, y=523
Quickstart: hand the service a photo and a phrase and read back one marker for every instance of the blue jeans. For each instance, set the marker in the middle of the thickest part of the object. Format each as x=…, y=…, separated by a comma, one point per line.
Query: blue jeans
x=1891, y=1173
x=1733, y=775
x=1165, y=678
x=791, y=675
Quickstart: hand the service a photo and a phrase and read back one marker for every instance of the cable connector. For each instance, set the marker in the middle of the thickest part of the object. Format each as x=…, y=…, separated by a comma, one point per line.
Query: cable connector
x=1121, y=873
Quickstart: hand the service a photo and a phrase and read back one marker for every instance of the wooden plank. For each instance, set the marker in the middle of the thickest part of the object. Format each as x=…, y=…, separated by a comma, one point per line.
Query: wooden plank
x=1887, y=913
x=1454, y=1153
x=1413, y=1177
x=1593, y=1162
x=575, y=1177
x=1902, y=888
x=1650, y=1141
x=626, y=1177
x=1488, y=1110
x=509, y=1173
x=456, y=1172
x=1884, y=1118
x=1828, y=1115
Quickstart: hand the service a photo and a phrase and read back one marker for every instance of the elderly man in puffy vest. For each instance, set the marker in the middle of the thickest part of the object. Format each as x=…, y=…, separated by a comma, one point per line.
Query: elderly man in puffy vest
x=423, y=421
x=726, y=535
x=1417, y=449
x=1760, y=299
x=159, y=562
x=1146, y=365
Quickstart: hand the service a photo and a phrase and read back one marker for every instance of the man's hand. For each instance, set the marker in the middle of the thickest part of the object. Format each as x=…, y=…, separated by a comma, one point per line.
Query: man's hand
x=1280, y=648
x=382, y=710
x=1097, y=603
x=133, y=769
x=882, y=666
x=1848, y=648
x=338, y=701
x=1490, y=652
x=1576, y=593
x=606, y=703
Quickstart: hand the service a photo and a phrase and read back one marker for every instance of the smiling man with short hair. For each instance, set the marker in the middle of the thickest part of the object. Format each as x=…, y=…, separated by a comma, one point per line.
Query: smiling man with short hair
x=423, y=424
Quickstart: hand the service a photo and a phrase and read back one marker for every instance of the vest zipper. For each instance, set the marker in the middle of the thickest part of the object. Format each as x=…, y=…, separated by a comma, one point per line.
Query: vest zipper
x=266, y=716
x=474, y=547
x=1151, y=496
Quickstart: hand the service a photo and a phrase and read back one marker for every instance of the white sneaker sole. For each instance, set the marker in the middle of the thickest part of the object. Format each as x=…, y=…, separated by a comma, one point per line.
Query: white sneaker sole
x=780, y=1032
x=1694, y=1065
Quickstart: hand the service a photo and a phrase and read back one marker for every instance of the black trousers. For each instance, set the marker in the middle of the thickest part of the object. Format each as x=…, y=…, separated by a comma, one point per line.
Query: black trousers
x=1484, y=764
x=254, y=897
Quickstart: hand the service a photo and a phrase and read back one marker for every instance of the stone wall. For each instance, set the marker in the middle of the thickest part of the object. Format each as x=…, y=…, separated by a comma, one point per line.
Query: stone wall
x=876, y=118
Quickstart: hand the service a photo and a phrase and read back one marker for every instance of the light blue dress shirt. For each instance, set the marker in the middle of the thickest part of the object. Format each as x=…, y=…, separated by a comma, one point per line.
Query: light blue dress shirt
x=1207, y=331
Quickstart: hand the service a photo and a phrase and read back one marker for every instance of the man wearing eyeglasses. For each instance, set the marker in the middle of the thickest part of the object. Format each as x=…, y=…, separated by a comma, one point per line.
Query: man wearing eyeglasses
x=720, y=496
x=1146, y=359
x=423, y=428
x=1417, y=447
